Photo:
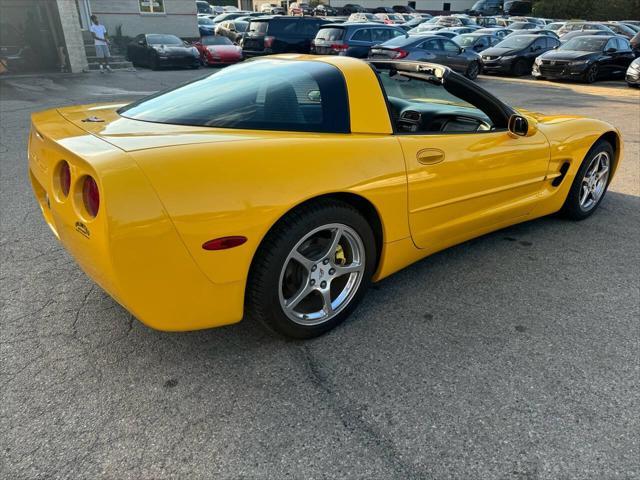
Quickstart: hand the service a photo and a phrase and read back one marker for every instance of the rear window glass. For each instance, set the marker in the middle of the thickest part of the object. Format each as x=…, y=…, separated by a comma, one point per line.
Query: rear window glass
x=330, y=34
x=259, y=95
x=258, y=27
x=155, y=39
x=294, y=27
x=215, y=40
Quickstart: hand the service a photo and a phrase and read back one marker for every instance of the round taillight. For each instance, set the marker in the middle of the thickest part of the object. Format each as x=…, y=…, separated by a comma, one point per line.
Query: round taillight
x=64, y=177
x=90, y=196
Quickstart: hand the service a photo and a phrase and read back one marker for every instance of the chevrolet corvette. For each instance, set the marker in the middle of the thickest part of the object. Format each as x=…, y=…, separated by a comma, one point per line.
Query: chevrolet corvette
x=296, y=181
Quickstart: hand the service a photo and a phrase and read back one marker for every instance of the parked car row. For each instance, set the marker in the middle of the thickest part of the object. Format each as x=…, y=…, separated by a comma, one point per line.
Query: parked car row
x=590, y=52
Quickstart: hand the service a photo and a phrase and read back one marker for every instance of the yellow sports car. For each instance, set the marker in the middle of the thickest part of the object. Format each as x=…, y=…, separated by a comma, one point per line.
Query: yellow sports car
x=281, y=187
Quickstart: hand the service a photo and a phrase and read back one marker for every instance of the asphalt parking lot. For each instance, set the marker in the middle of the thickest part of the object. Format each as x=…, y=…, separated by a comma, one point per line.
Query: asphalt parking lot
x=512, y=356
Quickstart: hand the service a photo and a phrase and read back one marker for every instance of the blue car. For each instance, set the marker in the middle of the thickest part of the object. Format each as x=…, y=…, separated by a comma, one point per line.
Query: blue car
x=206, y=26
x=353, y=39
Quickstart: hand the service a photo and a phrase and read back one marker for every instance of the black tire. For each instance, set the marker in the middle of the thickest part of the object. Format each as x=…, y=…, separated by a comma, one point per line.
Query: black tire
x=473, y=70
x=572, y=208
x=262, y=299
x=591, y=75
x=521, y=68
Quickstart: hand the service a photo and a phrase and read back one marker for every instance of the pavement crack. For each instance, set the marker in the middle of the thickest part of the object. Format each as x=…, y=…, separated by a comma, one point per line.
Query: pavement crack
x=74, y=325
x=351, y=417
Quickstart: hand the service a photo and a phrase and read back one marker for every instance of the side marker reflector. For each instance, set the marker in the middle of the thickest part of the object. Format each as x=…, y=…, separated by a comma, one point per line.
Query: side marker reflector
x=224, y=243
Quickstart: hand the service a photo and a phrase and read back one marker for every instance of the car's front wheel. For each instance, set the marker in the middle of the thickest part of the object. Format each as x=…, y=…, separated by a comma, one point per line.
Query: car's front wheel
x=591, y=75
x=473, y=70
x=312, y=269
x=590, y=183
x=521, y=68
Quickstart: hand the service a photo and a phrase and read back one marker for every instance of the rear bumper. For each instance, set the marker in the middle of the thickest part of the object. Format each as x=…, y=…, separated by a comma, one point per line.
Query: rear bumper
x=131, y=248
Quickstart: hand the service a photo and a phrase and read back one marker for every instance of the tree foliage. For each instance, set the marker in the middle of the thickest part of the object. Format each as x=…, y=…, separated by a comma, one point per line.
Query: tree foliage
x=587, y=9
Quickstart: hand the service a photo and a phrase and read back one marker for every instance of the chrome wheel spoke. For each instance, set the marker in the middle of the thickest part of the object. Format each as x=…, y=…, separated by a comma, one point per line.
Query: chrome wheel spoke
x=336, y=235
x=348, y=269
x=302, y=260
x=303, y=293
x=326, y=301
x=585, y=195
x=602, y=173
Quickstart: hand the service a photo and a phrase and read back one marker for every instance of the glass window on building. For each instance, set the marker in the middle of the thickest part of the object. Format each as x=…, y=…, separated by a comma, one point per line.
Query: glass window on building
x=151, y=6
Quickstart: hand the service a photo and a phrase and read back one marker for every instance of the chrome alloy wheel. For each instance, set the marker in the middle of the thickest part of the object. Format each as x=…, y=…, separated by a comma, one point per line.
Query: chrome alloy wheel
x=594, y=181
x=321, y=274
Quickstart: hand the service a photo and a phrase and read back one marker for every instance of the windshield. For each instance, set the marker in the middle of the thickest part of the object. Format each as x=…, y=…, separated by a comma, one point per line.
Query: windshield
x=156, y=39
x=216, y=40
x=585, y=44
x=264, y=94
x=241, y=26
x=522, y=26
x=519, y=41
x=401, y=41
x=465, y=40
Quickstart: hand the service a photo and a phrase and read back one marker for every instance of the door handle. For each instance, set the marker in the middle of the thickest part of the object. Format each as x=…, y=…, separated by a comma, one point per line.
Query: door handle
x=430, y=156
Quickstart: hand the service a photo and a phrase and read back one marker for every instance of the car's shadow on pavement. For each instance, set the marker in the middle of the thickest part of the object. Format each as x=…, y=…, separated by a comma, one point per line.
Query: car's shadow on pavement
x=473, y=272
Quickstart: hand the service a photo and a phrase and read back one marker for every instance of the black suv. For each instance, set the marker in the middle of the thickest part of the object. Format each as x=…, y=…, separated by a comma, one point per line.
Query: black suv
x=269, y=35
x=353, y=39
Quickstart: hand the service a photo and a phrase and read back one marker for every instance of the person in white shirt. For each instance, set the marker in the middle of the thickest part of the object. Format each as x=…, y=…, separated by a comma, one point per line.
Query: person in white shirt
x=101, y=42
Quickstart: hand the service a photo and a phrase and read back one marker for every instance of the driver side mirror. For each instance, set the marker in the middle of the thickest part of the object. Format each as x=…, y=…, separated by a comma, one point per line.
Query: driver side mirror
x=611, y=50
x=140, y=42
x=521, y=126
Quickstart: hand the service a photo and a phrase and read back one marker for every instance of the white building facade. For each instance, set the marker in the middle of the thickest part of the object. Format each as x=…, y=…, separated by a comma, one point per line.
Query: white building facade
x=434, y=5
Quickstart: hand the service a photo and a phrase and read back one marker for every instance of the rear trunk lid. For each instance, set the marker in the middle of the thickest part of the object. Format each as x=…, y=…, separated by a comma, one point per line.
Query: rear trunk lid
x=104, y=122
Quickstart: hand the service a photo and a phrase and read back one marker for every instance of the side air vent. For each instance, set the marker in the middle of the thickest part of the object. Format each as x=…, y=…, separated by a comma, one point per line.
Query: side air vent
x=563, y=171
x=411, y=115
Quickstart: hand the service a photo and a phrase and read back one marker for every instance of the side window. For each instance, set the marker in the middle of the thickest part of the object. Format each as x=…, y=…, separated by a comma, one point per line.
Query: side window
x=432, y=44
x=309, y=29
x=539, y=44
x=398, y=33
x=362, y=35
x=483, y=42
x=450, y=47
x=380, y=35
x=611, y=44
x=623, y=44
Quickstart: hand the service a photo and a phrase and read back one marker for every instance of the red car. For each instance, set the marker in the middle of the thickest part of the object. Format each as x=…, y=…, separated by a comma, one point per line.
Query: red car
x=218, y=50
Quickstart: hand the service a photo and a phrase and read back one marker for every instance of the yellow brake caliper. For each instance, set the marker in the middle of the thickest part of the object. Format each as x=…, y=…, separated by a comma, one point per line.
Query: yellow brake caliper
x=340, y=257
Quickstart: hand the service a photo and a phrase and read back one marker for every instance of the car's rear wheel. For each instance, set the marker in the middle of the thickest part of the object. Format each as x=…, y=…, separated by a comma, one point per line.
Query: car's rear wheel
x=521, y=68
x=591, y=182
x=473, y=70
x=312, y=270
x=591, y=75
